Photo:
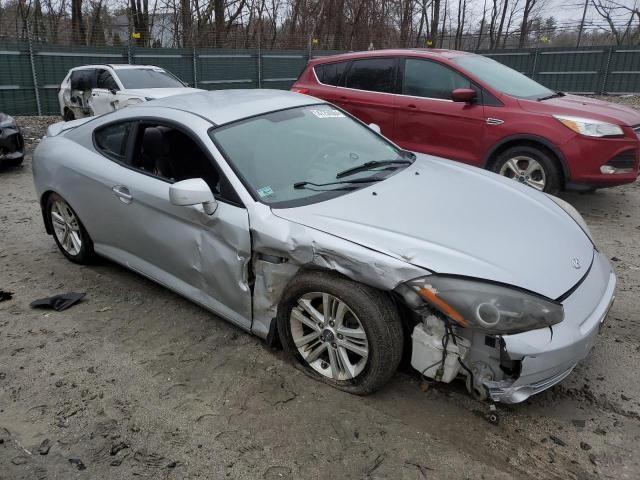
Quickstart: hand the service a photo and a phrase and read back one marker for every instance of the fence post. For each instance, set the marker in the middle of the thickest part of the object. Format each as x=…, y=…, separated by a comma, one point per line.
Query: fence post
x=259, y=60
x=605, y=73
x=535, y=64
x=195, y=67
x=34, y=76
x=130, y=34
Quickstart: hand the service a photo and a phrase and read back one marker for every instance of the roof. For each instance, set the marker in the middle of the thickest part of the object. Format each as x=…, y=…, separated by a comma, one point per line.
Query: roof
x=398, y=52
x=115, y=66
x=225, y=106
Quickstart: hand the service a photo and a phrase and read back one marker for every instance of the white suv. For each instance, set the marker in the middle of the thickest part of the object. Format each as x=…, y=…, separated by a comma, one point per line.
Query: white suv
x=97, y=89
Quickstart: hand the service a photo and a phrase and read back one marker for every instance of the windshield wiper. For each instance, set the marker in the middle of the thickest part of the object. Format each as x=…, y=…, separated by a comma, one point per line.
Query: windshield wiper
x=370, y=165
x=344, y=182
x=553, y=95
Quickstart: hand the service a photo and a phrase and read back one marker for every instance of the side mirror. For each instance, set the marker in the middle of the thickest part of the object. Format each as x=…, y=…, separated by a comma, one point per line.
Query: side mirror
x=375, y=127
x=192, y=192
x=466, y=95
x=113, y=91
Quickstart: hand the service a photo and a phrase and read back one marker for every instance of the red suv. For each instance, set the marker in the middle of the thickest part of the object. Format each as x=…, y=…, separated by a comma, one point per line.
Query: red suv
x=473, y=109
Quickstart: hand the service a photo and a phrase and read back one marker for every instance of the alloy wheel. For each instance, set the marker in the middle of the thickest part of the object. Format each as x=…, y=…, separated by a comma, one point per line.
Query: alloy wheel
x=525, y=169
x=66, y=227
x=329, y=336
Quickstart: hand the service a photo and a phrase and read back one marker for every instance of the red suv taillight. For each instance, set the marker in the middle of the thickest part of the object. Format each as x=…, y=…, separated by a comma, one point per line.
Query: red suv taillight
x=300, y=90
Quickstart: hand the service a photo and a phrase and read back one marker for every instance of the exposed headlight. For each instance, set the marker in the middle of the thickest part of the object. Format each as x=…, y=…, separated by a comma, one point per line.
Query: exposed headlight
x=492, y=308
x=590, y=128
x=573, y=213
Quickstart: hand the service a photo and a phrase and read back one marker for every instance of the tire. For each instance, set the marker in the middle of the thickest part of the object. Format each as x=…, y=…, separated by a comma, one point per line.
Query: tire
x=514, y=163
x=68, y=232
x=68, y=115
x=14, y=162
x=359, y=311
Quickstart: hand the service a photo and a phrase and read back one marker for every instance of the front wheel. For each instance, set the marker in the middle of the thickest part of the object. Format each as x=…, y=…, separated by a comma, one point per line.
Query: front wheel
x=340, y=332
x=530, y=166
x=69, y=233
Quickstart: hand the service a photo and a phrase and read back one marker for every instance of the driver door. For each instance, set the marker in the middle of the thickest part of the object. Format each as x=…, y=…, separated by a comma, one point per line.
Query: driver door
x=203, y=257
x=104, y=96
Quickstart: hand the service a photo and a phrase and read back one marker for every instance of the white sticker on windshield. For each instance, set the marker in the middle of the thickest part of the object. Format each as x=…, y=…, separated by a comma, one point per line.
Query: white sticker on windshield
x=327, y=113
x=265, y=191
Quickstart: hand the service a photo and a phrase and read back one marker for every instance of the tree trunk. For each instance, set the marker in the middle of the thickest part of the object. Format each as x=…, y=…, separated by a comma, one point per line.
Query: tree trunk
x=435, y=20
x=78, y=32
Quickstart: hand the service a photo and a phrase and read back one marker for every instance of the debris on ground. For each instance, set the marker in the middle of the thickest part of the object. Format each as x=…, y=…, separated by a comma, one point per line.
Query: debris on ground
x=76, y=462
x=44, y=447
x=118, y=447
x=5, y=295
x=58, y=302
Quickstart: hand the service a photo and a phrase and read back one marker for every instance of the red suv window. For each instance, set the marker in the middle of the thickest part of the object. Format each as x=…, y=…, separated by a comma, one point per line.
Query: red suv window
x=330, y=73
x=373, y=74
x=424, y=78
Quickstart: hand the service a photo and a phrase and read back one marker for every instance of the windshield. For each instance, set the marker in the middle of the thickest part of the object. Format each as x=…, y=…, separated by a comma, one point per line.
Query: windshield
x=147, y=78
x=284, y=156
x=502, y=78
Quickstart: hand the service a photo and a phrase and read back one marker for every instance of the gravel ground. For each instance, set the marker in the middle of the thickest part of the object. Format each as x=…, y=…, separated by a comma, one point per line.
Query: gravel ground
x=137, y=381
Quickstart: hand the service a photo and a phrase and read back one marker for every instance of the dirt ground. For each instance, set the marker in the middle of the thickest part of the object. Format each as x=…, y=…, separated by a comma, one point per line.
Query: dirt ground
x=136, y=381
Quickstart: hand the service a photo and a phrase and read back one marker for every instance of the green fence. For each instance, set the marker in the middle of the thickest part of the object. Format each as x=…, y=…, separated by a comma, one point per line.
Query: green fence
x=30, y=75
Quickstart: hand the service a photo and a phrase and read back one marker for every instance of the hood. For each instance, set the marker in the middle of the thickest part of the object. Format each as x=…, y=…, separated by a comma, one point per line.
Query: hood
x=451, y=218
x=584, y=107
x=159, y=92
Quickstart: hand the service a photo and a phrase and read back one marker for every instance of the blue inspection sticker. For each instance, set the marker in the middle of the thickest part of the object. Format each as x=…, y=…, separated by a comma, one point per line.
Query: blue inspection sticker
x=265, y=191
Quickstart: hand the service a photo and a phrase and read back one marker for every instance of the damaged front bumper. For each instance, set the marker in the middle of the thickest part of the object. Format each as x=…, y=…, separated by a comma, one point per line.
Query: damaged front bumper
x=11, y=141
x=548, y=355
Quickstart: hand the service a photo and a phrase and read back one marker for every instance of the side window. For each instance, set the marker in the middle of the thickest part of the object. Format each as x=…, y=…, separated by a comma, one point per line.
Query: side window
x=330, y=73
x=172, y=155
x=112, y=140
x=105, y=80
x=374, y=74
x=424, y=78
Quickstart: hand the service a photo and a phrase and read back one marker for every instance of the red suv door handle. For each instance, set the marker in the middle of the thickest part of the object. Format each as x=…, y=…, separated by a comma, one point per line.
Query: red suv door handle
x=412, y=106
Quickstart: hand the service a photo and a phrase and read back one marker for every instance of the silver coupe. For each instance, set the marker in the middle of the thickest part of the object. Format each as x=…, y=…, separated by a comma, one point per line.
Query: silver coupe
x=296, y=222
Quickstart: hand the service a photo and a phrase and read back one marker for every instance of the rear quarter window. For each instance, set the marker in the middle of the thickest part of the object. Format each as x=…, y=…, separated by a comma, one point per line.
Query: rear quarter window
x=112, y=140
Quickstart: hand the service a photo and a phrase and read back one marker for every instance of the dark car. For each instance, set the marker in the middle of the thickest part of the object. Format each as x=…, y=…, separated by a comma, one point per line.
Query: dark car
x=470, y=108
x=11, y=141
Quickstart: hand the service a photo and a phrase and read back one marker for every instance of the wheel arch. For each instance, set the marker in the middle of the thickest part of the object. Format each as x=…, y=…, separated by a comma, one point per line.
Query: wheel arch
x=43, y=208
x=407, y=319
x=532, y=141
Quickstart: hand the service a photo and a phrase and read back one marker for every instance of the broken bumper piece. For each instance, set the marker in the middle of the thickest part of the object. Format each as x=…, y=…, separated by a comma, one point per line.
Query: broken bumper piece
x=11, y=141
x=549, y=355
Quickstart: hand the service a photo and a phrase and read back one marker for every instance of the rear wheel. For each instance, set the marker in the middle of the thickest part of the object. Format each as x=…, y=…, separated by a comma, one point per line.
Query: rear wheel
x=340, y=332
x=68, y=232
x=530, y=166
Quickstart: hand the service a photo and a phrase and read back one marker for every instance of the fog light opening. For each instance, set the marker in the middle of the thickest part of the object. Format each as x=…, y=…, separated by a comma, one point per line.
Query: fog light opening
x=609, y=170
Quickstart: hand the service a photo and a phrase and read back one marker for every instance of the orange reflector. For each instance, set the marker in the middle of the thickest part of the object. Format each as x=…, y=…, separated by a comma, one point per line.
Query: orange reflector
x=443, y=306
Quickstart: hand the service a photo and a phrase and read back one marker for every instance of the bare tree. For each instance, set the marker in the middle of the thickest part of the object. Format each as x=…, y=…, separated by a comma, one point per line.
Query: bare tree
x=78, y=31
x=524, y=26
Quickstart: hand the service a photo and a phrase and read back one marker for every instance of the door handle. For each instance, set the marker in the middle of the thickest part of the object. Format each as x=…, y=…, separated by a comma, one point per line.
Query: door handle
x=123, y=193
x=412, y=106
